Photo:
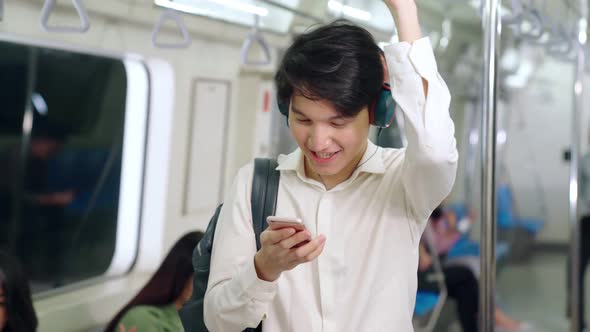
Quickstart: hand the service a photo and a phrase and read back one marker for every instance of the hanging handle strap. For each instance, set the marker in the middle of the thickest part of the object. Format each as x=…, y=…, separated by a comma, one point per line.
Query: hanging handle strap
x=171, y=14
x=516, y=15
x=255, y=36
x=534, y=17
x=1, y=10
x=48, y=8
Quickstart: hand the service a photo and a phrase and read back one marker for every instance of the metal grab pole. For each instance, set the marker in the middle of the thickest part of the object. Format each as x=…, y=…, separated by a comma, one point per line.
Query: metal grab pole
x=575, y=296
x=491, y=30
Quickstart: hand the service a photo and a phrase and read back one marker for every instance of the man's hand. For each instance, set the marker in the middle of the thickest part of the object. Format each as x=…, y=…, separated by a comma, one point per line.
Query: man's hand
x=278, y=252
x=425, y=260
x=405, y=15
x=395, y=5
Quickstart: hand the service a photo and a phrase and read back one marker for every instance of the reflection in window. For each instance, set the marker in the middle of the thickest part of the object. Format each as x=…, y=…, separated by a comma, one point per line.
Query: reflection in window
x=61, y=133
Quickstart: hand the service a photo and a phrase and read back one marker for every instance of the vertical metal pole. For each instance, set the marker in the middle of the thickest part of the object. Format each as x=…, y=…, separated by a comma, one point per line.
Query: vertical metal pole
x=491, y=30
x=18, y=181
x=575, y=296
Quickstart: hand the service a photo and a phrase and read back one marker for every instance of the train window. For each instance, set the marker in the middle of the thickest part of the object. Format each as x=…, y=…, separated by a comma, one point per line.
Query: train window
x=71, y=164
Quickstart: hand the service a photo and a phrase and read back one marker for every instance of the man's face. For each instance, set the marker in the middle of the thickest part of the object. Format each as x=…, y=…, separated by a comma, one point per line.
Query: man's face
x=332, y=144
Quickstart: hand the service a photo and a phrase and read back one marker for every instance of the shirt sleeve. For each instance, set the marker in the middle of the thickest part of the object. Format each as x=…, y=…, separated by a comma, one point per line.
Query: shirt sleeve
x=430, y=158
x=236, y=299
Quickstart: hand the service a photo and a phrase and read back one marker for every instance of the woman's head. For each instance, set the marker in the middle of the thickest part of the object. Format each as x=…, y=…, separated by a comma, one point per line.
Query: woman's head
x=16, y=306
x=171, y=282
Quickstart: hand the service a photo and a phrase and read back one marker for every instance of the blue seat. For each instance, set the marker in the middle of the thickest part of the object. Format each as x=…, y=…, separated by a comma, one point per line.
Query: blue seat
x=506, y=217
x=467, y=247
x=425, y=302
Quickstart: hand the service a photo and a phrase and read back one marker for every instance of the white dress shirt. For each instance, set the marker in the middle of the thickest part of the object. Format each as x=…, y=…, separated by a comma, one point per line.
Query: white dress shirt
x=365, y=279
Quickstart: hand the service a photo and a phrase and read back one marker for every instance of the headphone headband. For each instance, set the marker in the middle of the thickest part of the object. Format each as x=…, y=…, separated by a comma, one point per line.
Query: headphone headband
x=381, y=110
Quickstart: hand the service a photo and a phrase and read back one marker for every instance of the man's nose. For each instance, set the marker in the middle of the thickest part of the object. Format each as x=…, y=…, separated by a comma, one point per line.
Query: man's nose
x=320, y=138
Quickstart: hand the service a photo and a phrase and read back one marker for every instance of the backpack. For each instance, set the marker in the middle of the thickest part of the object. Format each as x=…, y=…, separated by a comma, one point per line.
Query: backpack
x=265, y=185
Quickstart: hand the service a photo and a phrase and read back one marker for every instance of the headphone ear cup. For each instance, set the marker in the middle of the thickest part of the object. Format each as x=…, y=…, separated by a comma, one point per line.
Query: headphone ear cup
x=383, y=108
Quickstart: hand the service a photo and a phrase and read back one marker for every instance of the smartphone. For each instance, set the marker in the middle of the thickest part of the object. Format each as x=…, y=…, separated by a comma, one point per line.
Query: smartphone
x=275, y=223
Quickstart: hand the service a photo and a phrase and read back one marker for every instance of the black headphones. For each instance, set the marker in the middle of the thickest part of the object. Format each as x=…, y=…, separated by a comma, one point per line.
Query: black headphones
x=381, y=110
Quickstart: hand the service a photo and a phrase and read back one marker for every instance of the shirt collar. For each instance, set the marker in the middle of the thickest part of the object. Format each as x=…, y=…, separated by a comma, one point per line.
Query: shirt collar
x=371, y=162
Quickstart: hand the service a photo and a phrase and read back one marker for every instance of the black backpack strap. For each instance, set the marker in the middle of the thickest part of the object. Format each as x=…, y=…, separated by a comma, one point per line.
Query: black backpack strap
x=265, y=187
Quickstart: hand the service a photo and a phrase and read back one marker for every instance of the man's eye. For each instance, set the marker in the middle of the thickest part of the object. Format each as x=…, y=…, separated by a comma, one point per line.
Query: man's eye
x=339, y=124
x=303, y=121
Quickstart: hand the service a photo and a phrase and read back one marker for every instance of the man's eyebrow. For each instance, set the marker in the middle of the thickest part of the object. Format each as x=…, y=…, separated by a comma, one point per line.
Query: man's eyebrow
x=296, y=111
x=335, y=117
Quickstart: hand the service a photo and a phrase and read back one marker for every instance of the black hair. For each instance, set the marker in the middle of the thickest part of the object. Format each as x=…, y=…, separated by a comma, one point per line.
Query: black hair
x=437, y=213
x=17, y=296
x=168, y=283
x=339, y=63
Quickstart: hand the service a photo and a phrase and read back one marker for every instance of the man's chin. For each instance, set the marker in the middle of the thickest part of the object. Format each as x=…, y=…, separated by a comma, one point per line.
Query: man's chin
x=327, y=170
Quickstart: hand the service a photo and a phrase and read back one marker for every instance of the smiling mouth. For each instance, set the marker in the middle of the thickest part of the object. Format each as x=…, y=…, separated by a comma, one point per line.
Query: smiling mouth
x=323, y=157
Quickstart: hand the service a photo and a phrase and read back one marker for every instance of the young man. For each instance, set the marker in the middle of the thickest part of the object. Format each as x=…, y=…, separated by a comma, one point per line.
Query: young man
x=364, y=207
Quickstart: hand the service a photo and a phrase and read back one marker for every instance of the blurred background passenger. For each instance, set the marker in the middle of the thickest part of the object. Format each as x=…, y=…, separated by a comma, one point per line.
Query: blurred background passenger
x=463, y=286
x=155, y=307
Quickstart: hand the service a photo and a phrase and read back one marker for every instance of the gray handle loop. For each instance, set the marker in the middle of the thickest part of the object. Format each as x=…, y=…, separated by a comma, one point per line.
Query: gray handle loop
x=1, y=10
x=255, y=36
x=48, y=8
x=171, y=14
x=534, y=17
x=516, y=15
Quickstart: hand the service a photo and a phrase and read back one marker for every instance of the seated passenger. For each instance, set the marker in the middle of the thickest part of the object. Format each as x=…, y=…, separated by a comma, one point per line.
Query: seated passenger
x=16, y=307
x=443, y=230
x=462, y=285
x=155, y=307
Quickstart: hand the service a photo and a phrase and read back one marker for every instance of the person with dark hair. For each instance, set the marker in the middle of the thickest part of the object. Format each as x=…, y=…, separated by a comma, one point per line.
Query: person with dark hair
x=364, y=207
x=16, y=306
x=155, y=307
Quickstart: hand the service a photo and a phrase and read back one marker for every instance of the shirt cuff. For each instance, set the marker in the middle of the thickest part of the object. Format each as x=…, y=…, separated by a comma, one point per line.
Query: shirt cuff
x=255, y=288
x=417, y=56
